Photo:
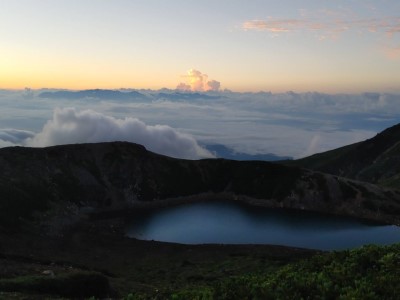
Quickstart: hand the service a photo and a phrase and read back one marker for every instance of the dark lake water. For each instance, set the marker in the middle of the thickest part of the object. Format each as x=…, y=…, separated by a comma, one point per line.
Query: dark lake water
x=232, y=223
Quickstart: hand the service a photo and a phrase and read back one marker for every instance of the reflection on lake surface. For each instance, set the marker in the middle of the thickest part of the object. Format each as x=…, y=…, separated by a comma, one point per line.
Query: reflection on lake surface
x=233, y=223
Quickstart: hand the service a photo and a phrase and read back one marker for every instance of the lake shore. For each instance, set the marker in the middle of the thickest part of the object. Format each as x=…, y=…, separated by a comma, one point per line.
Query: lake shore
x=134, y=265
x=143, y=206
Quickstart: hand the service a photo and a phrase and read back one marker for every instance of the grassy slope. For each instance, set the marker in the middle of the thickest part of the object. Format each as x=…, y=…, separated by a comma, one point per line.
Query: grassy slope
x=370, y=272
x=146, y=268
x=152, y=270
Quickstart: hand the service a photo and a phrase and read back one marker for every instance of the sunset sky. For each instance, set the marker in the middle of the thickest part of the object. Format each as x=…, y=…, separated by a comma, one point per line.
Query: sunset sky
x=336, y=46
x=329, y=72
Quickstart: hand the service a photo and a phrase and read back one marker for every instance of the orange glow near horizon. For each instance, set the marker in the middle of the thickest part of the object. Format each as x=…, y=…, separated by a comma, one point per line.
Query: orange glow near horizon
x=19, y=74
x=270, y=46
x=18, y=82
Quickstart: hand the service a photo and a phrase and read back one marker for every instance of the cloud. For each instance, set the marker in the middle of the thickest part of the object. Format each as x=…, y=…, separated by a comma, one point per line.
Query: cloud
x=313, y=147
x=251, y=123
x=392, y=53
x=213, y=85
x=70, y=126
x=4, y=144
x=197, y=81
x=15, y=136
x=184, y=87
x=277, y=26
x=326, y=24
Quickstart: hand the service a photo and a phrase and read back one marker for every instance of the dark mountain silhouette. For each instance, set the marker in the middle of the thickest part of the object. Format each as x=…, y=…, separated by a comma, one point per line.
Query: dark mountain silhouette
x=376, y=160
x=64, y=182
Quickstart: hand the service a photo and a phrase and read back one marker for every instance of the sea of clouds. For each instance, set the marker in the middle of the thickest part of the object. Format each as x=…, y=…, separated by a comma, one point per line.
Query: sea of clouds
x=181, y=123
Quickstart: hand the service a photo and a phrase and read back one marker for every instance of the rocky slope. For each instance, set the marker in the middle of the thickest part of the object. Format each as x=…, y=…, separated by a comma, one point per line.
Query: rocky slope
x=376, y=160
x=58, y=185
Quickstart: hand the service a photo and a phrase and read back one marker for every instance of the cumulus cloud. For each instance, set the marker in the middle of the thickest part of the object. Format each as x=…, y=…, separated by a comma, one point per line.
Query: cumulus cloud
x=213, y=85
x=70, y=126
x=197, y=81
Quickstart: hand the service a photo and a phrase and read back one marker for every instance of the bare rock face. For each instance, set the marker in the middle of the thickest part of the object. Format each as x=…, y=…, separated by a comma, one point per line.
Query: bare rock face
x=66, y=182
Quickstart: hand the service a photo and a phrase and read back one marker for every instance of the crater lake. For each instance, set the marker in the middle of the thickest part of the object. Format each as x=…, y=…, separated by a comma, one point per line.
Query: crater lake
x=234, y=223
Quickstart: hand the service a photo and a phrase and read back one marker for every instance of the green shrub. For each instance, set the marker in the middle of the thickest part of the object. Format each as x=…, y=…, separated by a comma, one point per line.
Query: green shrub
x=370, y=272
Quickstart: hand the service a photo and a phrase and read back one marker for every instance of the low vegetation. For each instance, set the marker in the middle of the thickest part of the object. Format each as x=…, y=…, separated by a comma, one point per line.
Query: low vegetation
x=72, y=285
x=370, y=272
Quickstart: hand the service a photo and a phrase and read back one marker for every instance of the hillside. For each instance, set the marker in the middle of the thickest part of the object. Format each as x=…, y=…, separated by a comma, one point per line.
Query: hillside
x=62, y=231
x=59, y=185
x=376, y=160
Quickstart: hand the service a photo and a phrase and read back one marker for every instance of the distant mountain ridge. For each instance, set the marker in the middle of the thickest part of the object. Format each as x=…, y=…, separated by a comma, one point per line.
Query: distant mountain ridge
x=185, y=96
x=62, y=182
x=96, y=93
x=222, y=151
x=376, y=160
x=104, y=94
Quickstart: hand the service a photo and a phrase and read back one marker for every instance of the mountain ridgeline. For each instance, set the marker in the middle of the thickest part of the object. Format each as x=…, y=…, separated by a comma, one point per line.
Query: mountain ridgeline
x=45, y=184
x=376, y=160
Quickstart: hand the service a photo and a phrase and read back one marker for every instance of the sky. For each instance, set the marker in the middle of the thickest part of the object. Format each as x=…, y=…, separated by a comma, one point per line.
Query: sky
x=350, y=46
x=291, y=78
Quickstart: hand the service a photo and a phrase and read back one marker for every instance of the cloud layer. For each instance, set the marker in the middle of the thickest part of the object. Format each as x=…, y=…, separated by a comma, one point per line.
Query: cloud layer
x=70, y=126
x=15, y=136
x=286, y=124
x=197, y=81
